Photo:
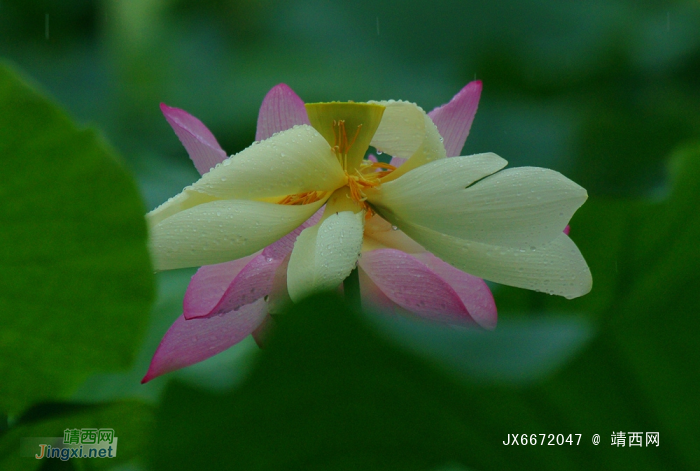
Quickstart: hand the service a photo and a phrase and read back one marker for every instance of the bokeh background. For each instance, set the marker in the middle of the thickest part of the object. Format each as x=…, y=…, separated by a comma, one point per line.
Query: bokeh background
x=606, y=92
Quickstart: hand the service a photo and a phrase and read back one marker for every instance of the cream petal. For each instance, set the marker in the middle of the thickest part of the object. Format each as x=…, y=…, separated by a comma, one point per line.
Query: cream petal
x=518, y=207
x=293, y=161
x=222, y=230
x=379, y=233
x=555, y=268
x=325, y=254
x=402, y=129
x=186, y=199
x=431, y=149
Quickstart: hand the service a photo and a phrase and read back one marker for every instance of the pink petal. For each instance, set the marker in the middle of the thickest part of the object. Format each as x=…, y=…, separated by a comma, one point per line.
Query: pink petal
x=251, y=284
x=200, y=143
x=567, y=229
x=281, y=109
x=374, y=299
x=372, y=158
x=409, y=283
x=455, y=118
x=279, y=299
x=227, y=286
x=209, y=285
x=190, y=341
x=397, y=161
x=473, y=291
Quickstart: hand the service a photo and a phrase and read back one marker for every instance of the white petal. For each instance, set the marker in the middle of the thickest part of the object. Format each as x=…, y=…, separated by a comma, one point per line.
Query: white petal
x=379, y=234
x=293, y=161
x=431, y=149
x=518, y=207
x=186, y=199
x=406, y=131
x=555, y=268
x=402, y=129
x=325, y=254
x=223, y=230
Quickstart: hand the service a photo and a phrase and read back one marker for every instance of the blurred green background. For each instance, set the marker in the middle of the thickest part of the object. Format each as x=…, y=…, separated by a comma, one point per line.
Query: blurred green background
x=606, y=92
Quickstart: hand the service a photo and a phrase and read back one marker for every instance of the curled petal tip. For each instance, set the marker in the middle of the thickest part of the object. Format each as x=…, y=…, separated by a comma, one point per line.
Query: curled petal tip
x=201, y=145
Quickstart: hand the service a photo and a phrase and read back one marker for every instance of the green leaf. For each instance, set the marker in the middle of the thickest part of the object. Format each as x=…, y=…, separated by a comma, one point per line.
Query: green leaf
x=657, y=323
x=131, y=420
x=326, y=394
x=331, y=393
x=74, y=267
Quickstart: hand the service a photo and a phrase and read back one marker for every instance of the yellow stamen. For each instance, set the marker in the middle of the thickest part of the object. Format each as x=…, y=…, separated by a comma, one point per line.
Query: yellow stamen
x=341, y=146
x=364, y=179
x=307, y=197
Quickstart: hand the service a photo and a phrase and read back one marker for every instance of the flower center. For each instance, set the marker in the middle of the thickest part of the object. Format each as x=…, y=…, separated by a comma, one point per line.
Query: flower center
x=366, y=177
x=363, y=177
x=333, y=121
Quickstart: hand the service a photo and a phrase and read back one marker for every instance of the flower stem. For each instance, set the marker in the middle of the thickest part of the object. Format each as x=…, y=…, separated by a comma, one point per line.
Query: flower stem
x=351, y=288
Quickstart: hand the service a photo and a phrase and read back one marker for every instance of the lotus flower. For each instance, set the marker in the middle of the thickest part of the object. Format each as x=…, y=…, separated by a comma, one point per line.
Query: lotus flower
x=505, y=226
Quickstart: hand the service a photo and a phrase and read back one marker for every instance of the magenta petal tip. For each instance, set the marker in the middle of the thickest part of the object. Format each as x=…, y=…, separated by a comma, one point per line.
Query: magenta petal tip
x=281, y=109
x=454, y=119
x=190, y=341
x=201, y=145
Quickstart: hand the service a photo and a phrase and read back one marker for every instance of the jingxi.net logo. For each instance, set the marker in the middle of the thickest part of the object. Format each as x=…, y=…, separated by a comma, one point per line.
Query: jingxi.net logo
x=75, y=443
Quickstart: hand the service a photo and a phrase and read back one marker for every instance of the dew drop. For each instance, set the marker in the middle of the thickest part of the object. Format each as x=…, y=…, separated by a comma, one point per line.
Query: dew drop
x=394, y=228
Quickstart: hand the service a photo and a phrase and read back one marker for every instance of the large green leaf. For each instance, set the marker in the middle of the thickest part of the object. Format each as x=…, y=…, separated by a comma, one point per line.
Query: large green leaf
x=330, y=393
x=327, y=394
x=74, y=269
x=131, y=421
